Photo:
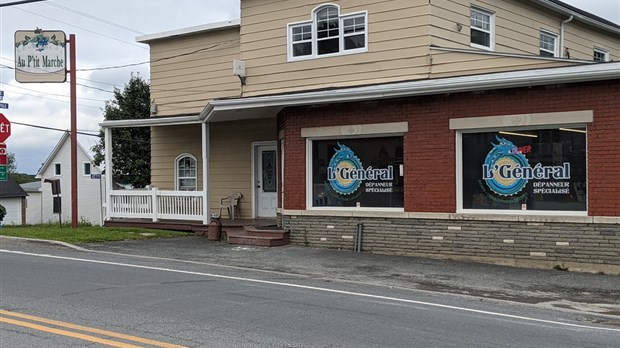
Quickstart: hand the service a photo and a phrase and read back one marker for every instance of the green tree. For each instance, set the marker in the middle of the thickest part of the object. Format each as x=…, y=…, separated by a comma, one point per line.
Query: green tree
x=11, y=168
x=11, y=163
x=2, y=212
x=131, y=147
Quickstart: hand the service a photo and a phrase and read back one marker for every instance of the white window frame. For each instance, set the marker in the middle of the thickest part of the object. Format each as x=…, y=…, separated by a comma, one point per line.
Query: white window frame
x=90, y=168
x=314, y=39
x=602, y=51
x=491, y=30
x=177, y=178
x=555, y=37
x=571, y=119
x=57, y=169
x=377, y=130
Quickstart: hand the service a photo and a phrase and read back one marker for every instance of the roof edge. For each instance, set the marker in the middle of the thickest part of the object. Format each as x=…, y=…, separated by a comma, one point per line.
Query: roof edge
x=48, y=161
x=581, y=15
x=513, y=79
x=152, y=121
x=189, y=30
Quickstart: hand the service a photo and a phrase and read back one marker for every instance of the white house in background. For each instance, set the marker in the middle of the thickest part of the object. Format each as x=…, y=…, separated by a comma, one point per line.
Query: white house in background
x=34, y=210
x=13, y=198
x=58, y=166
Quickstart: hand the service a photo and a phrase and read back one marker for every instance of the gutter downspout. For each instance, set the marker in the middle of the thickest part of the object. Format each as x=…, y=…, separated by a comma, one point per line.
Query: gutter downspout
x=562, y=50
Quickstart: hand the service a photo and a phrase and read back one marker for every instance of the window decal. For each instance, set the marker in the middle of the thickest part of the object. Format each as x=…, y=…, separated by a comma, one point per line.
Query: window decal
x=360, y=172
x=525, y=170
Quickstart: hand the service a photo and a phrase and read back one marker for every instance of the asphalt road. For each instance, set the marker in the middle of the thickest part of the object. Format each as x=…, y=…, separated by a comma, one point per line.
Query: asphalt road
x=200, y=305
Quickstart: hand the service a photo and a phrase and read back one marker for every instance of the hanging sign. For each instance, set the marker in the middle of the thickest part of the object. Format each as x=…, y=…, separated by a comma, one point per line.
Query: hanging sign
x=40, y=56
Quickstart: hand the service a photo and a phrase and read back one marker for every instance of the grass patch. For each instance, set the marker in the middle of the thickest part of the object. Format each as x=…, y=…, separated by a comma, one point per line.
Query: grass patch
x=85, y=234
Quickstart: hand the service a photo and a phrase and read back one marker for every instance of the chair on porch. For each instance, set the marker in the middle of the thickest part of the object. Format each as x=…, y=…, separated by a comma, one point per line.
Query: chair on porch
x=231, y=203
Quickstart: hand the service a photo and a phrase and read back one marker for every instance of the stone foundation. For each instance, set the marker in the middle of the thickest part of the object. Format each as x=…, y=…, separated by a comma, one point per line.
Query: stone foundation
x=591, y=247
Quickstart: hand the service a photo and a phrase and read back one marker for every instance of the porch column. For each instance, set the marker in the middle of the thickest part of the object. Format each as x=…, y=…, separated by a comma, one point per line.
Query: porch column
x=205, y=173
x=108, y=172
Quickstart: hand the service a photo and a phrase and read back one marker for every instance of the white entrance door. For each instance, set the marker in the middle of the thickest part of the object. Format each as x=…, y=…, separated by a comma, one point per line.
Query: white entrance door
x=266, y=181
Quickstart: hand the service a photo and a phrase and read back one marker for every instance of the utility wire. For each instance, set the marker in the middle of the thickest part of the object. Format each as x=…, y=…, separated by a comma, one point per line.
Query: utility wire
x=58, y=101
x=95, y=88
x=160, y=59
x=204, y=49
x=79, y=84
x=90, y=31
x=19, y=2
x=114, y=67
x=54, y=94
x=94, y=18
x=78, y=132
x=52, y=128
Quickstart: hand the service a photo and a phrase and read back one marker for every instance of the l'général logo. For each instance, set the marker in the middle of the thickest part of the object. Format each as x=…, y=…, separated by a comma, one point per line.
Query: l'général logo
x=346, y=172
x=506, y=170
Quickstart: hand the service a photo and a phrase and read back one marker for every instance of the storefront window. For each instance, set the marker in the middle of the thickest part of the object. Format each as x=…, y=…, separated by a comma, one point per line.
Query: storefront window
x=361, y=172
x=525, y=170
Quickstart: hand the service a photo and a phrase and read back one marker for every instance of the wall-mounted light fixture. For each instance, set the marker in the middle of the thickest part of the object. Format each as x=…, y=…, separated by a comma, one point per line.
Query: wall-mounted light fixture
x=239, y=70
x=573, y=130
x=459, y=27
x=519, y=134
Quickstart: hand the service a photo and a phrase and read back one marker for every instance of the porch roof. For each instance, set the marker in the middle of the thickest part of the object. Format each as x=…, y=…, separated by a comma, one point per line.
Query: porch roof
x=269, y=106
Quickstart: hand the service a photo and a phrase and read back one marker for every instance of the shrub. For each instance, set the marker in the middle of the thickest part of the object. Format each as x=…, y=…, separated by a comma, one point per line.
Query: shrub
x=2, y=212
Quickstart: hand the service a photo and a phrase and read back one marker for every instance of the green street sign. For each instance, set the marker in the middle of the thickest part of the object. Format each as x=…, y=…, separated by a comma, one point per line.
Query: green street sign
x=3, y=176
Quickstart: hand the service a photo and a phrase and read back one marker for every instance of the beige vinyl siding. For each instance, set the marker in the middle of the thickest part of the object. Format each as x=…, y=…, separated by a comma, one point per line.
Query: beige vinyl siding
x=230, y=168
x=168, y=143
x=448, y=64
x=399, y=32
x=230, y=156
x=581, y=41
x=188, y=71
x=517, y=24
x=397, y=46
x=517, y=31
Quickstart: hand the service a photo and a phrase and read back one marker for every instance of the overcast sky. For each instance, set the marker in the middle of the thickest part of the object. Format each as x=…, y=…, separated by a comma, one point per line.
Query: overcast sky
x=105, y=34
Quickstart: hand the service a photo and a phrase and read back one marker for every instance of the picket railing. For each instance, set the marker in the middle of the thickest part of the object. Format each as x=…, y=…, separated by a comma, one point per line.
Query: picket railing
x=157, y=204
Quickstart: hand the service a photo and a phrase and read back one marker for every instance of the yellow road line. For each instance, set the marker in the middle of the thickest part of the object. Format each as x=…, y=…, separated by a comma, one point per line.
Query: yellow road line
x=67, y=333
x=81, y=328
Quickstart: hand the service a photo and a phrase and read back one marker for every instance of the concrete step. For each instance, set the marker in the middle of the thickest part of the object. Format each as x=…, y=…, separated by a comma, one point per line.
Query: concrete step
x=266, y=231
x=250, y=235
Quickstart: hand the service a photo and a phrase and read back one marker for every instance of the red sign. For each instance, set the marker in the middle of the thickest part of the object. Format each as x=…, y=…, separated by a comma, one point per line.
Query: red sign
x=5, y=128
x=3, y=154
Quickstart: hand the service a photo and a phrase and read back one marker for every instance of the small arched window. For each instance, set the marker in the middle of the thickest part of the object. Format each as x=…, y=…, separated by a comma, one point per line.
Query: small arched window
x=186, y=173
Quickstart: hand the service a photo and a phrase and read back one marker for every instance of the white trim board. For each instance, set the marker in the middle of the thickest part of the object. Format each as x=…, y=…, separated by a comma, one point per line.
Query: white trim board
x=523, y=120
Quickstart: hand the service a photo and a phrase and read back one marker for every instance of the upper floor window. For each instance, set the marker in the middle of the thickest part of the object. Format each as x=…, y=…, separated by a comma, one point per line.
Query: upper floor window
x=482, y=25
x=57, y=169
x=601, y=55
x=186, y=173
x=327, y=34
x=548, y=44
x=87, y=168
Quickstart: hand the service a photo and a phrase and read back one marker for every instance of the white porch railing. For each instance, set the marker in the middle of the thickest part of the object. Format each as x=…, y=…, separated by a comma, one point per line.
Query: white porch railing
x=156, y=204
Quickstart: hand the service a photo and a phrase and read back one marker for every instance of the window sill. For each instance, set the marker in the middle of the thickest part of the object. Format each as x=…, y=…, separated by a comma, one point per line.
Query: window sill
x=471, y=216
x=311, y=57
x=484, y=48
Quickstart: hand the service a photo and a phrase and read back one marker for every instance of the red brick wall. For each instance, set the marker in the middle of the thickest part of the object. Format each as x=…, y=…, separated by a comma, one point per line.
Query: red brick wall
x=429, y=146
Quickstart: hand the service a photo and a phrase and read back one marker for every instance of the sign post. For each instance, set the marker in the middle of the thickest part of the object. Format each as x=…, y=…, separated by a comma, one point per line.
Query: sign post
x=41, y=56
x=74, y=164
